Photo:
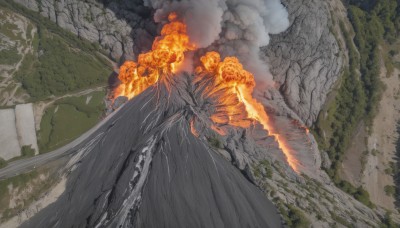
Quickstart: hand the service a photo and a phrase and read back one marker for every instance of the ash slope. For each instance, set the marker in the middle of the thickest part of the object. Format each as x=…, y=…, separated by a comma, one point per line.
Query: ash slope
x=144, y=168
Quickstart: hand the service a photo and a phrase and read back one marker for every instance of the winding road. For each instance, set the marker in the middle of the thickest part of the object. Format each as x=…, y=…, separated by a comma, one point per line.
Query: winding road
x=25, y=165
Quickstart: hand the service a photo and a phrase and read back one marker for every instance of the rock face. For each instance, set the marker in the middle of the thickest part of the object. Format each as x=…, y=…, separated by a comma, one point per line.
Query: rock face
x=118, y=28
x=305, y=59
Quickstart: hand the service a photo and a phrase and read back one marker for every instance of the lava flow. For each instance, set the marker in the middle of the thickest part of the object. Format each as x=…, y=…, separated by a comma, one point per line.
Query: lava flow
x=166, y=56
x=231, y=74
x=168, y=53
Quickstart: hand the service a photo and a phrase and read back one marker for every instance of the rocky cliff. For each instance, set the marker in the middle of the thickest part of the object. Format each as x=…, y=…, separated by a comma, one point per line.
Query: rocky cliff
x=118, y=27
x=305, y=60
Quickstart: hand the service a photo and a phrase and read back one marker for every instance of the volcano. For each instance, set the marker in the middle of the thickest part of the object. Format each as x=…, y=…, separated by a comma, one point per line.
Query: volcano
x=152, y=163
x=145, y=168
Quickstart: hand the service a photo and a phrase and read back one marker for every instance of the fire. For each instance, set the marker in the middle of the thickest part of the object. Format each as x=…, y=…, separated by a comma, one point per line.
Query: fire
x=167, y=54
x=231, y=74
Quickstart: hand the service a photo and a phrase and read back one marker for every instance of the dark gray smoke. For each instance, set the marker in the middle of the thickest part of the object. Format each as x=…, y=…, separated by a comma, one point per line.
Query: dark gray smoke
x=232, y=27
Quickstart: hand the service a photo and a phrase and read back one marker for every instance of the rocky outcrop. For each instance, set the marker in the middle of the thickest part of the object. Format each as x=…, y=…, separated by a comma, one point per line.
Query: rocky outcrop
x=117, y=27
x=305, y=59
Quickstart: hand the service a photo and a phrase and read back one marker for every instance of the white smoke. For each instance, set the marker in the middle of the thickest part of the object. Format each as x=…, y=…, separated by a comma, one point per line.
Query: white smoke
x=232, y=27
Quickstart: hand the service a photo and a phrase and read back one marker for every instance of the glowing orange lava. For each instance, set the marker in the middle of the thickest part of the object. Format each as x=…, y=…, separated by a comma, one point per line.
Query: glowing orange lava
x=237, y=80
x=167, y=54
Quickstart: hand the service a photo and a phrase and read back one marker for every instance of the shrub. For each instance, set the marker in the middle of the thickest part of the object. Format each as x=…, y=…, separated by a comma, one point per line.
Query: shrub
x=390, y=190
x=297, y=218
x=215, y=142
x=3, y=163
x=27, y=151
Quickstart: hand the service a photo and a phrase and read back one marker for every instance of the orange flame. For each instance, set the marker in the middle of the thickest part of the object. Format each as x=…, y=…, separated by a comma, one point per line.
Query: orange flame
x=167, y=54
x=236, y=79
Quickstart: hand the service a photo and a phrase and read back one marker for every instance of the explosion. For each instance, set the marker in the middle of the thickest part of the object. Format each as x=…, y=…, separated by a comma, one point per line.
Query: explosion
x=166, y=56
x=228, y=75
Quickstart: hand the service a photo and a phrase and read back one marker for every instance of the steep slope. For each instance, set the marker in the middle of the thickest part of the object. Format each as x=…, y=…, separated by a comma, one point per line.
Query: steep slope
x=305, y=59
x=120, y=27
x=144, y=168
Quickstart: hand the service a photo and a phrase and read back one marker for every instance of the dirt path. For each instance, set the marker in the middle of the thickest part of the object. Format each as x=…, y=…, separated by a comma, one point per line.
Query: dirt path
x=352, y=166
x=381, y=143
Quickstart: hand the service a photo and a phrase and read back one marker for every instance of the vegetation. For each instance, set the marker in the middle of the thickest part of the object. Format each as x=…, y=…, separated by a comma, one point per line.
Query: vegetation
x=390, y=190
x=23, y=189
x=59, y=68
x=9, y=56
x=388, y=222
x=297, y=218
x=20, y=181
x=215, y=142
x=27, y=151
x=369, y=34
x=67, y=119
x=39, y=20
x=293, y=217
x=3, y=163
x=387, y=11
x=344, y=114
x=263, y=166
x=374, y=23
x=61, y=63
x=395, y=168
x=339, y=219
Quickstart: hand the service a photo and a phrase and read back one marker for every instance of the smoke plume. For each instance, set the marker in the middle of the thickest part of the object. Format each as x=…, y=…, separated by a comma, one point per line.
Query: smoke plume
x=231, y=27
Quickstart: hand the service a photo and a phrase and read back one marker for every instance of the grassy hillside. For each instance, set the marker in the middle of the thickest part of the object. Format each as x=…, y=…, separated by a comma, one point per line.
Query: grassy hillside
x=57, y=67
x=60, y=62
x=68, y=118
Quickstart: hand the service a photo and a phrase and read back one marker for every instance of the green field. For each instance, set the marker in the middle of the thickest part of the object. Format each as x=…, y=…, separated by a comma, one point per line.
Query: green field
x=67, y=119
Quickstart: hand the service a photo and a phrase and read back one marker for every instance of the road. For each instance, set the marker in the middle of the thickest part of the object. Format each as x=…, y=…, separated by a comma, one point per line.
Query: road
x=25, y=165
